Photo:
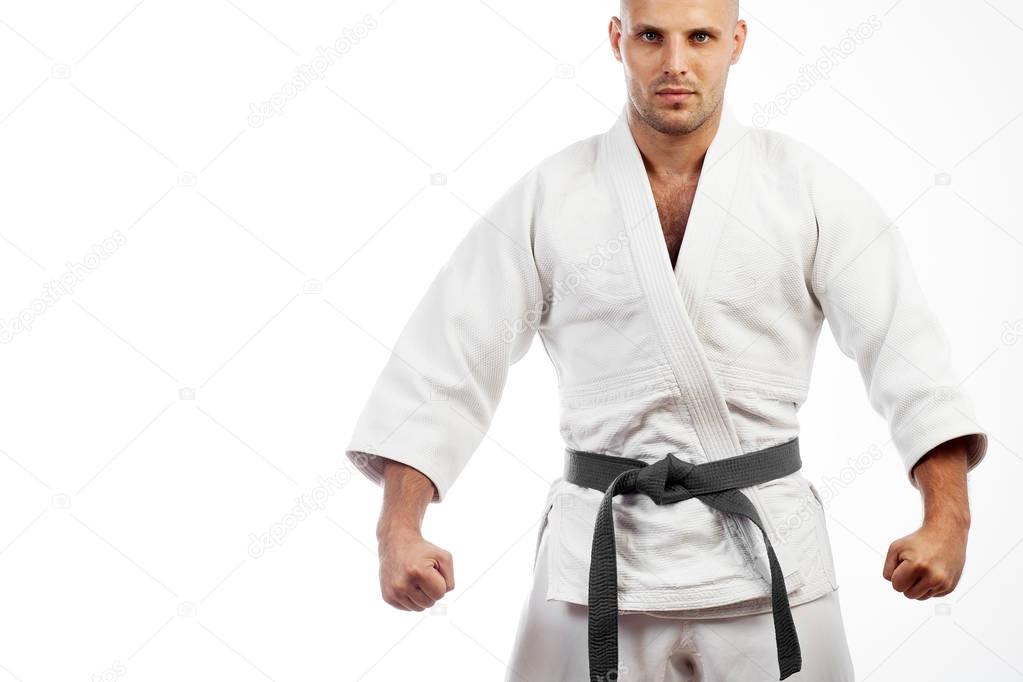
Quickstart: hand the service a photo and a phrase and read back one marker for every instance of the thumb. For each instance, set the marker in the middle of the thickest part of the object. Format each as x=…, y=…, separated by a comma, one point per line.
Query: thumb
x=891, y=561
x=445, y=566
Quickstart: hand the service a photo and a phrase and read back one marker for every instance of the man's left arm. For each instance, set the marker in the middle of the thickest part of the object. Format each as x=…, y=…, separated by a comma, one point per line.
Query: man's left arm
x=929, y=562
x=865, y=283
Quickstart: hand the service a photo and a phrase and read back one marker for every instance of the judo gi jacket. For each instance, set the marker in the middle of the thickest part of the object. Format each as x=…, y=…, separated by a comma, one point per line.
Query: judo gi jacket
x=706, y=360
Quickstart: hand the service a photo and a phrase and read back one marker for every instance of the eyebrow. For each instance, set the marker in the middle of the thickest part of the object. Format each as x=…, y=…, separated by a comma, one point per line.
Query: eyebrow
x=643, y=28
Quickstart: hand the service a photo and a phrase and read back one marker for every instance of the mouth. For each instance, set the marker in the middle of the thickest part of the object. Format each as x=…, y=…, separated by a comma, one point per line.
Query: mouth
x=675, y=94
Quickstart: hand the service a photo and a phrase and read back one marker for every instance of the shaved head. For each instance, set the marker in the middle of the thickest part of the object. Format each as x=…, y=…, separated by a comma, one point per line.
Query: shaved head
x=733, y=6
x=676, y=55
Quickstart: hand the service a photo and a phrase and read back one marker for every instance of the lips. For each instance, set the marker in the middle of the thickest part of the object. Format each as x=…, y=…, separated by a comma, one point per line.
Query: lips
x=674, y=91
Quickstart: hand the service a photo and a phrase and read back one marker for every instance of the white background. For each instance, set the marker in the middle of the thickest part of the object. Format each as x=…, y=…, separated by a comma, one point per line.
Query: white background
x=208, y=370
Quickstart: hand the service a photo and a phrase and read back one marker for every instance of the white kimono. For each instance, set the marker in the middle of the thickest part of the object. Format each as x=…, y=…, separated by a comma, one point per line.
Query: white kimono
x=777, y=239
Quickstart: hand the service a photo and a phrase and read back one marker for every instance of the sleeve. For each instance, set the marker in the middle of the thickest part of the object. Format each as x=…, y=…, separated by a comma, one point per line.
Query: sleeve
x=866, y=286
x=435, y=398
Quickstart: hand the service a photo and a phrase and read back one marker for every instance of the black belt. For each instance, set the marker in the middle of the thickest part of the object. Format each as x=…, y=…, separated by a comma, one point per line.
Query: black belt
x=667, y=481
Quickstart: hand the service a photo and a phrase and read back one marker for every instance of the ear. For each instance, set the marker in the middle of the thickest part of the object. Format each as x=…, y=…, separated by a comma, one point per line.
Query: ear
x=614, y=34
x=740, y=40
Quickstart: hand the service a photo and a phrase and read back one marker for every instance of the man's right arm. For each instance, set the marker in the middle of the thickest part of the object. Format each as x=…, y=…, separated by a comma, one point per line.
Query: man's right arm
x=414, y=574
x=435, y=398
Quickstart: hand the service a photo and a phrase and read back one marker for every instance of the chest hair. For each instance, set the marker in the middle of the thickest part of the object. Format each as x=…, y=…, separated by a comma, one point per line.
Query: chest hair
x=674, y=200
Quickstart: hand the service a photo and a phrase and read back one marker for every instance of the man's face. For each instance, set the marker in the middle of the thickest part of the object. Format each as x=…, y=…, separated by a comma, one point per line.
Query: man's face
x=677, y=45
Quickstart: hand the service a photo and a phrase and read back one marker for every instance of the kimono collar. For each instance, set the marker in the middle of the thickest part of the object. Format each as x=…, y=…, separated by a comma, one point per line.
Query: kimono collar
x=677, y=291
x=675, y=296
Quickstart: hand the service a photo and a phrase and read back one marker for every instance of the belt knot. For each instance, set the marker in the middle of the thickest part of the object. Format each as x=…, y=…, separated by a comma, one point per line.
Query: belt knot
x=664, y=481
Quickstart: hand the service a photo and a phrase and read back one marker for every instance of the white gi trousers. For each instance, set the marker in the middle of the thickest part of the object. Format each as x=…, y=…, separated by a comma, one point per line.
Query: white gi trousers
x=551, y=643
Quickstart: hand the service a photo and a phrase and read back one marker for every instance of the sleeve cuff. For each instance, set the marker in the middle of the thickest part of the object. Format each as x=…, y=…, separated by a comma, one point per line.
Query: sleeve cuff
x=372, y=466
x=913, y=450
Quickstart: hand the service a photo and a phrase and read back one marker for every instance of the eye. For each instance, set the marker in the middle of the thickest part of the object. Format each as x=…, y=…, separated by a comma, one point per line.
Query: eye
x=705, y=35
x=648, y=33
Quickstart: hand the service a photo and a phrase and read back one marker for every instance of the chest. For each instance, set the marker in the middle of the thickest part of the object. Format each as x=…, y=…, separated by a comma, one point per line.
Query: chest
x=674, y=202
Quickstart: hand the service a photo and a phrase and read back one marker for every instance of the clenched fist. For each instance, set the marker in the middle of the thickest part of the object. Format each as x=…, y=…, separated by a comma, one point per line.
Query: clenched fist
x=929, y=562
x=414, y=574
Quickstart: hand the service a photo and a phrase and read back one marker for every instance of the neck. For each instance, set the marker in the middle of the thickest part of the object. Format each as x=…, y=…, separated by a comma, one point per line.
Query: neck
x=673, y=156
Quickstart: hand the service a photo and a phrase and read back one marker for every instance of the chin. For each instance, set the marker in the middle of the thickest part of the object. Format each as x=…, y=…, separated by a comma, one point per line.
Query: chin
x=674, y=111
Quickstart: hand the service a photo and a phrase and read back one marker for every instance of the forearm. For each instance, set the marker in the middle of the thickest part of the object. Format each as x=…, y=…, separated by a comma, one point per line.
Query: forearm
x=941, y=478
x=407, y=492
x=414, y=573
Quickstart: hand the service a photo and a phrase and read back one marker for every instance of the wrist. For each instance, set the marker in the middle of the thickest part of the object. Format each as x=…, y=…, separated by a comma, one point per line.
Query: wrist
x=948, y=519
x=391, y=529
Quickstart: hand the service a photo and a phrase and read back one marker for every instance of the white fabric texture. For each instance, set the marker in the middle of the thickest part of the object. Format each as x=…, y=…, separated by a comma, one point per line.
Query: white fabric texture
x=551, y=643
x=707, y=360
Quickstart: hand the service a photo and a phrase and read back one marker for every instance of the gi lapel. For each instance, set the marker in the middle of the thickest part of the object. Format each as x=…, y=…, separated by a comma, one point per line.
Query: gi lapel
x=674, y=297
x=723, y=165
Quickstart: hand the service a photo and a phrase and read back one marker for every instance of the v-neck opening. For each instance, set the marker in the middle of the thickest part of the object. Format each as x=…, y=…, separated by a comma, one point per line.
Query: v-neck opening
x=700, y=239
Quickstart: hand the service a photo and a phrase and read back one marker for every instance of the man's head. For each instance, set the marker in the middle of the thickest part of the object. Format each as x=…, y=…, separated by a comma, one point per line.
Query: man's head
x=677, y=45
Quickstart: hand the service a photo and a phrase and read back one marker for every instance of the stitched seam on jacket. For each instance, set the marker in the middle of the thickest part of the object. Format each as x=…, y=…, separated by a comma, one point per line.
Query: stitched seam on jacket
x=653, y=376
x=762, y=385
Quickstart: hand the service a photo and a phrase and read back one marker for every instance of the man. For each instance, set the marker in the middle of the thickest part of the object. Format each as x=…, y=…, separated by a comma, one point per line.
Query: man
x=678, y=269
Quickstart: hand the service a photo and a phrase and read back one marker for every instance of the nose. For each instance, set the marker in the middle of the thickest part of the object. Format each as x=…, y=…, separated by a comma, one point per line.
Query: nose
x=676, y=57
